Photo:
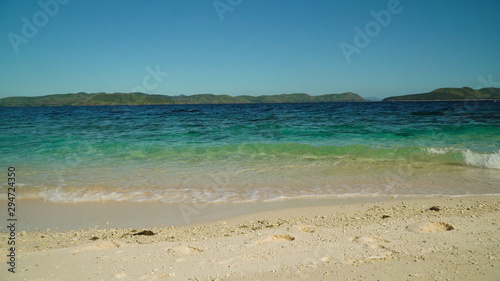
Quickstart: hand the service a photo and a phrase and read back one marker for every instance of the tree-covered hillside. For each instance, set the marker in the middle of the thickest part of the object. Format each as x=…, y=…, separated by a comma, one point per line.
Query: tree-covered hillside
x=84, y=99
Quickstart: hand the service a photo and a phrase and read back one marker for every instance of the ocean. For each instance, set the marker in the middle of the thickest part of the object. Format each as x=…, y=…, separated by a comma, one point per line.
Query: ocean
x=251, y=152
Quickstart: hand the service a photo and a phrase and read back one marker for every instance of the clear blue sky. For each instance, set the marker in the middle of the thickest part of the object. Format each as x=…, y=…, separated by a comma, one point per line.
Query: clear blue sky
x=257, y=48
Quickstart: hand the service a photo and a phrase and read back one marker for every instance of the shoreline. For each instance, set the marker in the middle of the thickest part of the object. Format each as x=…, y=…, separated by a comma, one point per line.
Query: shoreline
x=37, y=214
x=431, y=238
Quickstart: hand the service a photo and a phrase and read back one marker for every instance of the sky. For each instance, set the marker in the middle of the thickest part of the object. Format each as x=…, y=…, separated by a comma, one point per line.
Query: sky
x=373, y=48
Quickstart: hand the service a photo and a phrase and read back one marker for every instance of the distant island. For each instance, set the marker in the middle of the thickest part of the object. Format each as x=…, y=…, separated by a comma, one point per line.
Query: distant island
x=95, y=99
x=451, y=94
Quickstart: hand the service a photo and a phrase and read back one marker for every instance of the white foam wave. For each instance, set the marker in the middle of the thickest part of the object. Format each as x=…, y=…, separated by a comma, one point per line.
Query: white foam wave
x=475, y=159
x=438, y=150
x=482, y=160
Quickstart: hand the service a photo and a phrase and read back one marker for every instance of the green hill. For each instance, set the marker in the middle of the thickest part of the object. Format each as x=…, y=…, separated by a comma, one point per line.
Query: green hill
x=451, y=94
x=84, y=99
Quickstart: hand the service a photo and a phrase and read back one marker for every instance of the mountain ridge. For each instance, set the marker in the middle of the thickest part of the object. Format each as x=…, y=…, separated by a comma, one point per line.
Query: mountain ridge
x=96, y=99
x=450, y=94
x=101, y=98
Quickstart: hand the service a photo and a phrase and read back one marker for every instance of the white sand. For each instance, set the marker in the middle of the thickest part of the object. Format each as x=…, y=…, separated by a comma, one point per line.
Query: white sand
x=396, y=239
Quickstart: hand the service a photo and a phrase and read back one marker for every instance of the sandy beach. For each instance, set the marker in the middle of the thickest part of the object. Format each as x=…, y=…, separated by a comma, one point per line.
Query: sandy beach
x=434, y=238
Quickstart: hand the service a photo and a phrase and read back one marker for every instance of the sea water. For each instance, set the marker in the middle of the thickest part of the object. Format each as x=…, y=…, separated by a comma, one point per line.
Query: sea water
x=247, y=152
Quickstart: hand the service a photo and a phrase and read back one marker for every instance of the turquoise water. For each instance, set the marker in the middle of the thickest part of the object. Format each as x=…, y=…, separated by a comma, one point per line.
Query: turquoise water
x=232, y=153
